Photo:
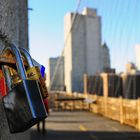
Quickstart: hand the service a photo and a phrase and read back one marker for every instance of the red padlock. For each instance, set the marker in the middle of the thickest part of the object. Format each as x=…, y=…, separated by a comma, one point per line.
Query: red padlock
x=2, y=84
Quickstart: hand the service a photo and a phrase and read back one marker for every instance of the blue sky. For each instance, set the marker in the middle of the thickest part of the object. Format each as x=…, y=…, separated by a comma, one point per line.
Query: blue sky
x=120, y=30
x=46, y=27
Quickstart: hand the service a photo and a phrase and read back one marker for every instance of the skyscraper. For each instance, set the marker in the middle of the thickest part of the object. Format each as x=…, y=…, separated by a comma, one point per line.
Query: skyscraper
x=137, y=50
x=82, y=52
x=105, y=56
x=55, y=73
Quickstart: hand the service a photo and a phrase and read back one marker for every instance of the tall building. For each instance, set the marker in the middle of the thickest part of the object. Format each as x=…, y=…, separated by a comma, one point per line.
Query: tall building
x=137, y=50
x=105, y=56
x=55, y=76
x=82, y=52
x=131, y=69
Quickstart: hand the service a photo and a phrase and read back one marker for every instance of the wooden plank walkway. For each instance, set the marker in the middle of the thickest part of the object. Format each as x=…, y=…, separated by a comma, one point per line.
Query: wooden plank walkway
x=80, y=125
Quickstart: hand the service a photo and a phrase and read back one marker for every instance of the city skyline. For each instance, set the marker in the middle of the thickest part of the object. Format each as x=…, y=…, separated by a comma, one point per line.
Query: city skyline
x=119, y=28
x=84, y=52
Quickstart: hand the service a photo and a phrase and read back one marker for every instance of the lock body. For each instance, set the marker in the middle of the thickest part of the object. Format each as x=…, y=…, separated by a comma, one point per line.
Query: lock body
x=23, y=106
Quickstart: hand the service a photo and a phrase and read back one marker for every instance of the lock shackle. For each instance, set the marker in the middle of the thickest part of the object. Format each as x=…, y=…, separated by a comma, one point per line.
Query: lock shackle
x=30, y=61
x=19, y=63
x=27, y=56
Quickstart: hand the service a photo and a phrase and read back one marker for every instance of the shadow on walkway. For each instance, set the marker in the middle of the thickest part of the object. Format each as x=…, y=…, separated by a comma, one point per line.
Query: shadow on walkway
x=79, y=135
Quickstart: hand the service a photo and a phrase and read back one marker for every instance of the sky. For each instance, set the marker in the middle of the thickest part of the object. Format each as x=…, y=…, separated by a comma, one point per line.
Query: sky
x=120, y=30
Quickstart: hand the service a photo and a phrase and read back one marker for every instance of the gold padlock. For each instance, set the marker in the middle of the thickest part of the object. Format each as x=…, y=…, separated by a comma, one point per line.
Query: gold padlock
x=33, y=73
x=15, y=78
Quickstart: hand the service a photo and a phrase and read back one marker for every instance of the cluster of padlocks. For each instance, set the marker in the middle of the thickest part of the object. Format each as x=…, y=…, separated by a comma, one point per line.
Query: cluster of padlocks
x=23, y=89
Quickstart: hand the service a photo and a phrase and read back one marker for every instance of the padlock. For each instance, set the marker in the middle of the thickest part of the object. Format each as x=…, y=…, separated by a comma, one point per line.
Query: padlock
x=34, y=73
x=15, y=78
x=7, y=78
x=23, y=104
x=2, y=84
x=41, y=67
